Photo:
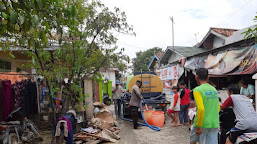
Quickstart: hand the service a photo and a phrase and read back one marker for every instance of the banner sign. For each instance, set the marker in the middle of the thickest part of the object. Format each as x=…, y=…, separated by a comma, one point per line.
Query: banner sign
x=169, y=73
x=233, y=62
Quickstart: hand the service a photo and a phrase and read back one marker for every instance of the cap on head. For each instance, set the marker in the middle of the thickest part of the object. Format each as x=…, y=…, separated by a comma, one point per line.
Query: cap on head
x=117, y=82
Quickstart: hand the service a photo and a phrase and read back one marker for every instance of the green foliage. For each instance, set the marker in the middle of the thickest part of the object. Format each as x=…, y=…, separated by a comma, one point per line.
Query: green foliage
x=251, y=32
x=77, y=33
x=143, y=58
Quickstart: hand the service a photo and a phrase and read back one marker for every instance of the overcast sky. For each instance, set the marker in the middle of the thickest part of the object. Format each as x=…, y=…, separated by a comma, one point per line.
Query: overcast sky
x=152, y=26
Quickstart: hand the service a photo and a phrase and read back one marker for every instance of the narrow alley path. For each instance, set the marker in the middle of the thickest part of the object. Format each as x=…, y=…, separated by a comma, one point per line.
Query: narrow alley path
x=167, y=135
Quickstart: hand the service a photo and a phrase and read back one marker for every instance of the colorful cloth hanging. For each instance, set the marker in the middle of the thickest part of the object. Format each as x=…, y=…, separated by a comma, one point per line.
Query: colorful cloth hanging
x=7, y=99
x=18, y=89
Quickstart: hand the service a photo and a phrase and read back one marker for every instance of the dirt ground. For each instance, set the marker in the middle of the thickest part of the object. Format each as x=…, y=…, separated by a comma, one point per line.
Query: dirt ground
x=167, y=135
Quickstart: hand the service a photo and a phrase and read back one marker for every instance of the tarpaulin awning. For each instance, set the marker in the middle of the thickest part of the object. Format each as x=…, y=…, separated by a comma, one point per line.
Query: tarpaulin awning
x=12, y=76
x=232, y=62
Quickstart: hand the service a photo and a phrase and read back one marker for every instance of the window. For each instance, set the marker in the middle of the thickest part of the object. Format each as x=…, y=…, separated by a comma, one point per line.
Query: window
x=5, y=66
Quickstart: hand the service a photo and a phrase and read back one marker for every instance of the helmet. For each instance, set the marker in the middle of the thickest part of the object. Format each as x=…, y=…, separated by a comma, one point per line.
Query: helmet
x=73, y=112
x=117, y=82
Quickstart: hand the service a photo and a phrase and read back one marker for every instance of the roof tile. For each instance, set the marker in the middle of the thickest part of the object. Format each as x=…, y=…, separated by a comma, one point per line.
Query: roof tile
x=224, y=31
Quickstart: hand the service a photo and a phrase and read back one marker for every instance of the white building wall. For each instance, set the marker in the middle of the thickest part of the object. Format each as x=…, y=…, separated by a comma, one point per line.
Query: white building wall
x=110, y=75
x=218, y=42
x=174, y=57
x=237, y=35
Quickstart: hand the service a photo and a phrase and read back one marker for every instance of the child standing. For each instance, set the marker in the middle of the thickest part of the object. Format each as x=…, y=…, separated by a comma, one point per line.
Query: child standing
x=191, y=114
x=175, y=108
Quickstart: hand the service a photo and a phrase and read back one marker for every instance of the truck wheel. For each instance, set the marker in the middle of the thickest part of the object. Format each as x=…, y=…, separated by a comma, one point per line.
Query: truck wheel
x=13, y=139
x=107, y=101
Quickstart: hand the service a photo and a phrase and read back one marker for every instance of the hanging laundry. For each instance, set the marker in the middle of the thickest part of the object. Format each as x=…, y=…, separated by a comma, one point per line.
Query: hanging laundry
x=69, y=128
x=7, y=99
x=18, y=94
x=30, y=98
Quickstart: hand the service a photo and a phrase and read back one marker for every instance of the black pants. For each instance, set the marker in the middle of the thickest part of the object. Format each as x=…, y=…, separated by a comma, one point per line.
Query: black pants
x=134, y=115
x=223, y=135
x=117, y=106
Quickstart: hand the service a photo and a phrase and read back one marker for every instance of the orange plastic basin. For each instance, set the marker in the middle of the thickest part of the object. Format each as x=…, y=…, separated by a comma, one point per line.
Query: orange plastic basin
x=148, y=116
x=158, y=118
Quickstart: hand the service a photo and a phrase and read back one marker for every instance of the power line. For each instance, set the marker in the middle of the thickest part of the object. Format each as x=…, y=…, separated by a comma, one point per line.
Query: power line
x=132, y=46
x=229, y=17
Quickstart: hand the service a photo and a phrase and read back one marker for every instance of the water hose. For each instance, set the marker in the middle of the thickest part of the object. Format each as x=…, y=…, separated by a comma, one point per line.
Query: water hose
x=142, y=124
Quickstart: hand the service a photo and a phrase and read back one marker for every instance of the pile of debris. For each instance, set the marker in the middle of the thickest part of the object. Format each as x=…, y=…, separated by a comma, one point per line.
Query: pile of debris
x=102, y=128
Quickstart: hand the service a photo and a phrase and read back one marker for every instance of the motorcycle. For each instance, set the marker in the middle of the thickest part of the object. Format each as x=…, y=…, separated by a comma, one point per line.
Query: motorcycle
x=19, y=131
x=227, y=122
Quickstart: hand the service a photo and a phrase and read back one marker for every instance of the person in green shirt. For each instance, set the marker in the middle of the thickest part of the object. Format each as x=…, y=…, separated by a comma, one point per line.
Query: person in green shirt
x=206, y=121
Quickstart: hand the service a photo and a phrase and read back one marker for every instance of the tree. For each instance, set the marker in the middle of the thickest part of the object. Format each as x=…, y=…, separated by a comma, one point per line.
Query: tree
x=143, y=58
x=252, y=32
x=81, y=31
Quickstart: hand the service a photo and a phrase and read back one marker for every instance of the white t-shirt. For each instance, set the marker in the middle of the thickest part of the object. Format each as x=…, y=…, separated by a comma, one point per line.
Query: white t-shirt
x=117, y=94
x=250, y=90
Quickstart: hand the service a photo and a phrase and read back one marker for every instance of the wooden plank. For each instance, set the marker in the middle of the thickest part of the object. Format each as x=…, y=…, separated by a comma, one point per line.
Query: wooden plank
x=78, y=142
x=83, y=137
x=94, y=142
x=100, y=138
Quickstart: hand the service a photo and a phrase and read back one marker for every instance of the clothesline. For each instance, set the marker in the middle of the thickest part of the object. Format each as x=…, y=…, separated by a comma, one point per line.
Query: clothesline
x=16, y=74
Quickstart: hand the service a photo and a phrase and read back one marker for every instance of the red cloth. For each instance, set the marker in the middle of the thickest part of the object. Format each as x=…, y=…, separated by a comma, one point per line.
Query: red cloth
x=169, y=111
x=67, y=120
x=228, y=102
x=7, y=99
x=175, y=99
x=185, y=100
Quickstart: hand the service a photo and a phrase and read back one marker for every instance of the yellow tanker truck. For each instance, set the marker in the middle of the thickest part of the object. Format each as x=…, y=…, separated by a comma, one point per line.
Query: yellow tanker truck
x=151, y=90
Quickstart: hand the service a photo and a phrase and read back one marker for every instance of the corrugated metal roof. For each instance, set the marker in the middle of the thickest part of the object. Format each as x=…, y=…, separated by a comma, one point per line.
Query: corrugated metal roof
x=187, y=51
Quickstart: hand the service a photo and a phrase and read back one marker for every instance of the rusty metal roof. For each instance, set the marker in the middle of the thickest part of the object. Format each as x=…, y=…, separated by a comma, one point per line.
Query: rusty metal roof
x=224, y=31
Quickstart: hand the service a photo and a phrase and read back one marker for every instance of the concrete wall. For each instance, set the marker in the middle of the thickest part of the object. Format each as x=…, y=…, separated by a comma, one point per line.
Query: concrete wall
x=20, y=61
x=88, y=89
x=218, y=42
x=174, y=57
x=110, y=75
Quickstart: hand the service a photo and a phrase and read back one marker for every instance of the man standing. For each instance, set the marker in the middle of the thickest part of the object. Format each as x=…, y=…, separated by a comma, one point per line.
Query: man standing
x=206, y=122
x=184, y=103
x=134, y=103
x=117, y=94
x=247, y=89
x=244, y=112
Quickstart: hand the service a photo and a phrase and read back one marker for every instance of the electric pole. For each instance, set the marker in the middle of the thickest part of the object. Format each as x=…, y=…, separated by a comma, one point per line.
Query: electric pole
x=196, y=37
x=172, y=20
